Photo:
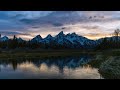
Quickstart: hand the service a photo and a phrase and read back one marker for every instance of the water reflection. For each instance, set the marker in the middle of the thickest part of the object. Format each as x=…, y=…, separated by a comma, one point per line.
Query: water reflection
x=65, y=68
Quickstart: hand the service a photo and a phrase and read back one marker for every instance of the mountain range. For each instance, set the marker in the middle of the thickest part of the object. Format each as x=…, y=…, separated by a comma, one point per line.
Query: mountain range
x=71, y=40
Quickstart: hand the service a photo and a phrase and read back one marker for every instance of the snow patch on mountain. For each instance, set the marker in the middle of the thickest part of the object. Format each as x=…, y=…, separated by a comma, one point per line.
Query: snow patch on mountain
x=4, y=38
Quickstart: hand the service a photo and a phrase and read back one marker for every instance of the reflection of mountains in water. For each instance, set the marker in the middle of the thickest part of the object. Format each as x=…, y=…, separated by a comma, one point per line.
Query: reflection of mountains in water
x=70, y=62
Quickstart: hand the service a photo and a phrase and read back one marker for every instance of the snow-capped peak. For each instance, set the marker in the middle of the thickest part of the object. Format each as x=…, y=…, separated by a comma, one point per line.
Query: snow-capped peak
x=74, y=35
x=48, y=36
x=38, y=38
x=60, y=35
x=48, y=39
x=5, y=38
x=20, y=39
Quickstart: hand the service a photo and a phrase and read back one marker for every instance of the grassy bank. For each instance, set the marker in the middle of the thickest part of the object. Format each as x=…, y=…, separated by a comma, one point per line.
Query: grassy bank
x=108, y=63
x=24, y=53
x=110, y=69
x=12, y=54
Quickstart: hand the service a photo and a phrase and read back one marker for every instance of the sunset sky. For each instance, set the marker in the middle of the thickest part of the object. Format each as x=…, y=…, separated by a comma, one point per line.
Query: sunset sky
x=28, y=24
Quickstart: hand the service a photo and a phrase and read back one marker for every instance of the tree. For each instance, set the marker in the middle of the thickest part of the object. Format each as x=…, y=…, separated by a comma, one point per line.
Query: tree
x=13, y=43
x=14, y=38
x=116, y=34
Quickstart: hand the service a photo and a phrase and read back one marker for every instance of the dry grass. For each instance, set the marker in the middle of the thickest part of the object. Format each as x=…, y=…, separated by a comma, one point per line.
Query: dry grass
x=111, y=68
x=41, y=54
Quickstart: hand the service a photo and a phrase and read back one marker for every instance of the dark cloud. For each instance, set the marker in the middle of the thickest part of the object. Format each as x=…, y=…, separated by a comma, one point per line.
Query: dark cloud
x=35, y=27
x=63, y=27
x=56, y=18
x=57, y=24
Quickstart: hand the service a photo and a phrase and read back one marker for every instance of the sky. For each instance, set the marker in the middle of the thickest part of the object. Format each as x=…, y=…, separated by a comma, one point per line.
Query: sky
x=28, y=24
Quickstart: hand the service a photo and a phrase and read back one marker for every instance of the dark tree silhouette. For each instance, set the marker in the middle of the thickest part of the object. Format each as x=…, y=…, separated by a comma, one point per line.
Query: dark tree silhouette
x=117, y=32
x=14, y=38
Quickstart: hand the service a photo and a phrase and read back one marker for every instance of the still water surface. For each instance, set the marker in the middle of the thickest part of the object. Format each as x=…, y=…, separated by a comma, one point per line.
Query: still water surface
x=49, y=68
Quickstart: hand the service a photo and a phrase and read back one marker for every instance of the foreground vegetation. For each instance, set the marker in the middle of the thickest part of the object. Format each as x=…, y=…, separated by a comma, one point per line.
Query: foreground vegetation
x=110, y=69
x=108, y=63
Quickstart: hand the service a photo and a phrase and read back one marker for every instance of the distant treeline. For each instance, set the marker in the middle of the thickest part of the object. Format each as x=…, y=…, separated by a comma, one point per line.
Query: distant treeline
x=111, y=43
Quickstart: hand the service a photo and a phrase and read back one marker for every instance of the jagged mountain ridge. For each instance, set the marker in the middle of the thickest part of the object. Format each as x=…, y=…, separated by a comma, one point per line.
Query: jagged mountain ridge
x=4, y=38
x=70, y=40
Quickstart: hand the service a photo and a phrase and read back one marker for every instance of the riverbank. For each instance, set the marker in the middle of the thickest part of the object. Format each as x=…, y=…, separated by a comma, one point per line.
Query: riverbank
x=40, y=53
x=110, y=69
x=21, y=53
x=108, y=64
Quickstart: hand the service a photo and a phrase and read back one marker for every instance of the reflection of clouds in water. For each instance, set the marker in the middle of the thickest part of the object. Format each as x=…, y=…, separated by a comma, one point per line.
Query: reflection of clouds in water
x=78, y=73
x=69, y=67
x=40, y=72
x=27, y=67
x=29, y=70
x=82, y=73
x=6, y=67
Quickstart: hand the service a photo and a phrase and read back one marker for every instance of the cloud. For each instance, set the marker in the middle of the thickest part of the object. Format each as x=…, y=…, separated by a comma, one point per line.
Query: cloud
x=90, y=27
x=10, y=25
x=57, y=24
x=28, y=14
x=30, y=23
